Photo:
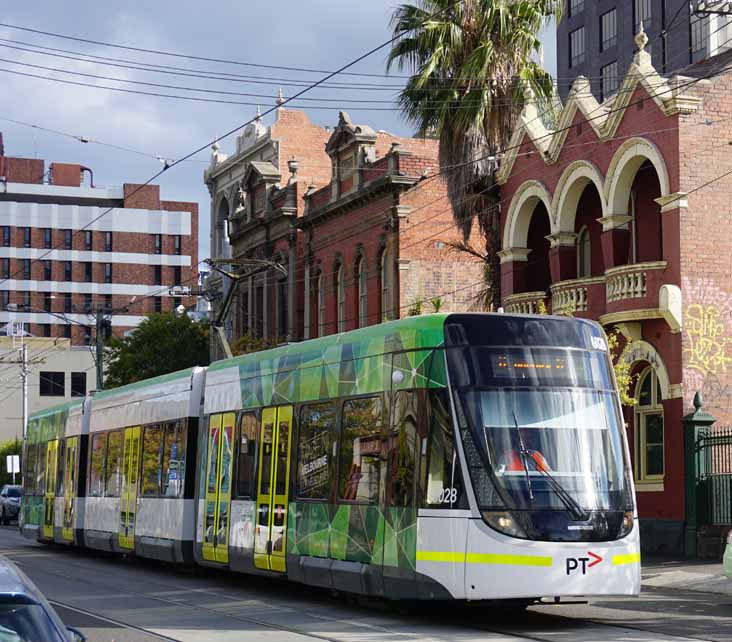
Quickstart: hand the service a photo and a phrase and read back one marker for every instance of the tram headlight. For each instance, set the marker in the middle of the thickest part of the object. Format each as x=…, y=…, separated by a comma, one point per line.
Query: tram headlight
x=505, y=523
x=627, y=524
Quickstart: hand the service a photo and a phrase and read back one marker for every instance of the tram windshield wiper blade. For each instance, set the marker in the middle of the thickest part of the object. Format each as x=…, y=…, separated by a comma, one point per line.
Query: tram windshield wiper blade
x=579, y=513
x=524, y=452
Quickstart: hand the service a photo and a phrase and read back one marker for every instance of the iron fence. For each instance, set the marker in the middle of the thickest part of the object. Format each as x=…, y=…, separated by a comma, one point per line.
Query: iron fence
x=714, y=463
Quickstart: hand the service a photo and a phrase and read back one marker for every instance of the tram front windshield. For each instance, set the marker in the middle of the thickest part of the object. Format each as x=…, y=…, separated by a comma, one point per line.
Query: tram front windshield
x=543, y=439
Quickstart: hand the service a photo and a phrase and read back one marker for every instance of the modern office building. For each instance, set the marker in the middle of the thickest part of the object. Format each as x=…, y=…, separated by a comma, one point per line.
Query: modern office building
x=69, y=248
x=594, y=35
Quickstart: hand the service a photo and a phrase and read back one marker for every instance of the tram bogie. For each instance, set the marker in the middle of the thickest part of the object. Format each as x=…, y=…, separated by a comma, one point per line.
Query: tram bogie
x=473, y=457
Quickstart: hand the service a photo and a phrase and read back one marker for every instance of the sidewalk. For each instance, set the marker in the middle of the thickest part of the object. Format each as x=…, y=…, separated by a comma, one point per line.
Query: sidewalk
x=687, y=575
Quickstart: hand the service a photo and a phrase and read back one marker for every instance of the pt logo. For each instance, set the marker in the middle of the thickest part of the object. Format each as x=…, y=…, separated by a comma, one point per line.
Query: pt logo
x=581, y=563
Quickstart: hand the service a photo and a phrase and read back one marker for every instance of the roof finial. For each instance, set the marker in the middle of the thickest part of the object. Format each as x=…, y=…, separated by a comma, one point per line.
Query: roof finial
x=641, y=39
x=279, y=101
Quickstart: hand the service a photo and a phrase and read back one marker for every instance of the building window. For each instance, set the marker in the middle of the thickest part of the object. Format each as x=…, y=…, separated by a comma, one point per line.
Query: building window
x=609, y=80
x=158, y=304
x=51, y=384
x=108, y=302
x=5, y=296
x=177, y=275
x=642, y=14
x=576, y=47
x=157, y=274
x=68, y=274
x=282, y=309
x=576, y=7
x=88, y=272
x=320, y=298
x=67, y=301
x=346, y=165
x=78, y=384
x=67, y=330
x=649, y=428
x=361, y=450
x=6, y=236
x=26, y=237
x=88, y=240
x=87, y=303
x=608, y=30
x=699, y=36
x=362, y=293
x=47, y=271
x=45, y=329
x=47, y=301
x=176, y=244
x=339, y=287
x=260, y=198
x=107, y=272
x=26, y=300
x=26, y=269
x=87, y=335
x=67, y=239
x=6, y=268
x=385, y=269
x=158, y=244
x=314, y=453
x=47, y=238
x=108, y=241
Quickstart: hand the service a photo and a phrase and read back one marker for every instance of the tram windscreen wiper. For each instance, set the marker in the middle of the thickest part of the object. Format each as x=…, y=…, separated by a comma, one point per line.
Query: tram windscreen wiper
x=578, y=512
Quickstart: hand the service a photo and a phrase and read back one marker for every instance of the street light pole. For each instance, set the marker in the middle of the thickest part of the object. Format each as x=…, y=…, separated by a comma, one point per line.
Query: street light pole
x=99, y=339
x=24, y=377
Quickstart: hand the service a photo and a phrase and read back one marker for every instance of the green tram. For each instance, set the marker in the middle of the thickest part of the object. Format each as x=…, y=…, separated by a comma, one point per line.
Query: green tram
x=458, y=456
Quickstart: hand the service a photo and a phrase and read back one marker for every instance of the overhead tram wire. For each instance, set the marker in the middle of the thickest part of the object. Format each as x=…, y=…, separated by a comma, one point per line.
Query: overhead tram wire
x=227, y=134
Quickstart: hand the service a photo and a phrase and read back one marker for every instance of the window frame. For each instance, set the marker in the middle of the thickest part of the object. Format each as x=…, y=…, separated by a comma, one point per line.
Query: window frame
x=577, y=57
x=575, y=7
x=108, y=273
x=27, y=237
x=51, y=383
x=331, y=448
x=642, y=7
x=109, y=433
x=607, y=20
x=641, y=414
x=608, y=88
x=340, y=297
x=385, y=285
x=88, y=240
x=361, y=292
x=320, y=303
x=47, y=237
x=74, y=392
x=104, y=435
x=108, y=242
x=88, y=272
x=254, y=458
x=160, y=428
x=68, y=239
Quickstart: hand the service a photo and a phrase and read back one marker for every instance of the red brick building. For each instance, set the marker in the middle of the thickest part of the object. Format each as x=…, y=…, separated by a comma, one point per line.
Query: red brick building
x=620, y=213
x=352, y=218
x=63, y=254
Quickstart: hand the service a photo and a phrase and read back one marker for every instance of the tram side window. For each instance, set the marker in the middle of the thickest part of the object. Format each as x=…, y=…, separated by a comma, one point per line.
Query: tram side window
x=360, y=450
x=444, y=481
x=247, y=457
x=151, y=442
x=317, y=423
x=96, y=467
x=402, y=450
x=115, y=444
x=174, y=459
x=29, y=476
x=41, y=469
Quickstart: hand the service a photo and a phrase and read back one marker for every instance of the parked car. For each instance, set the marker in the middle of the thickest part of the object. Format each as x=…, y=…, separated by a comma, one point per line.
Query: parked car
x=727, y=558
x=10, y=497
x=25, y=614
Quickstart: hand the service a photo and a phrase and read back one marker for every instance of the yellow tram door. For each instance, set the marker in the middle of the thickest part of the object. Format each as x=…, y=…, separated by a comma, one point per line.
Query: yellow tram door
x=69, y=486
x=128, y=491
x=49, y=496
x=273, y=483
x=218, y=487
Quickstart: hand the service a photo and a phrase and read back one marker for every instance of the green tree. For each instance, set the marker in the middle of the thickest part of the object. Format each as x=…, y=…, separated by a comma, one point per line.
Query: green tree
x=473, y=70
x=11, y=447
x=162, y=343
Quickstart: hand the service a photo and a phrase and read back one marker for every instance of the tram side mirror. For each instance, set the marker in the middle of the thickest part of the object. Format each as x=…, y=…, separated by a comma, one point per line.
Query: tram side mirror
x=75, y=635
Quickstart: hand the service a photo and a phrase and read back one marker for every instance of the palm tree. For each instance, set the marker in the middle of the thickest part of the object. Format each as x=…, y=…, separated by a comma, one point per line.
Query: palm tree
x=472, y=65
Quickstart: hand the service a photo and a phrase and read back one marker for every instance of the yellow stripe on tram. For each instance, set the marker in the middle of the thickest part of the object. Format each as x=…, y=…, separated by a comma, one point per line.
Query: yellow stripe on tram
x=629, y=558
x=483, y=558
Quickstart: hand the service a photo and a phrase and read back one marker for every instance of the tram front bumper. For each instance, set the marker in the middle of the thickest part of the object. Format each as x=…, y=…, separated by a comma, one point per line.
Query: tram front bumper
x=493, y=566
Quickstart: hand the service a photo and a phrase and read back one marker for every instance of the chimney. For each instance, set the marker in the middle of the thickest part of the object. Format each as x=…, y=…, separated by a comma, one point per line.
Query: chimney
x=65, y=174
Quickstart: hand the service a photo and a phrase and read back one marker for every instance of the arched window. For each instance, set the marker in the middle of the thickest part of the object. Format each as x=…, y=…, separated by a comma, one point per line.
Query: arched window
x=320, y=298
x=385, y=286
x=649, y=433
x=340, y=291
x=584, y=255
x=362, y=292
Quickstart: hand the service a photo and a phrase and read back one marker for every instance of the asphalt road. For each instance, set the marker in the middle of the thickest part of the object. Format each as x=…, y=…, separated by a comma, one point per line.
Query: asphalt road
x=114, y=600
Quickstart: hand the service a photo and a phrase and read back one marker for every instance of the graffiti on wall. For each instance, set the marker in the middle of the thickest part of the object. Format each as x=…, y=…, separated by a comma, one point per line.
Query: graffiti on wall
x=707, y=343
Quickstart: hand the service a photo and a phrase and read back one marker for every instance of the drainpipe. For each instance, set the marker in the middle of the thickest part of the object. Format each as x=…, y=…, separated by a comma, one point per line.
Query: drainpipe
x=91, y=175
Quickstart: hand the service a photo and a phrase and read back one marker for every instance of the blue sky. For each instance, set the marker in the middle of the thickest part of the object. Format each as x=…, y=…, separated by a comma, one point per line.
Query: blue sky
x=316, y=34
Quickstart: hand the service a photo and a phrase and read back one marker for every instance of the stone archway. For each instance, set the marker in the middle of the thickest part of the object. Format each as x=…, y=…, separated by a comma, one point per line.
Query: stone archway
x=523, y=204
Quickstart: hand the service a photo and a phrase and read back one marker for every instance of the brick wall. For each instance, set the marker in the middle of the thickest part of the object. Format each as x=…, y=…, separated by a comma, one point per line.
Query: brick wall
x=24, y=170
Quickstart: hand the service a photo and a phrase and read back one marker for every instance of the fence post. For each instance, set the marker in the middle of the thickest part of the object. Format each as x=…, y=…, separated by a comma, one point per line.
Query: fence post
x=696, y=425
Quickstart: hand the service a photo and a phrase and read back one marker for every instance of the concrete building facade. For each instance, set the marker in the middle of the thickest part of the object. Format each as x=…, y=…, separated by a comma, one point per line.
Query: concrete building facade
x=68, y=248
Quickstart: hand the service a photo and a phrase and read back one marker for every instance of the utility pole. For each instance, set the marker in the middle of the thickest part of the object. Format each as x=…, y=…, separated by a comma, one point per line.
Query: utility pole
x=99, y=338
x=24, y=377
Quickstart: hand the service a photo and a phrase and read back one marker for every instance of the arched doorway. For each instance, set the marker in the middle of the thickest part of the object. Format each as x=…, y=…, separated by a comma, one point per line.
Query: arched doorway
x=538, y=275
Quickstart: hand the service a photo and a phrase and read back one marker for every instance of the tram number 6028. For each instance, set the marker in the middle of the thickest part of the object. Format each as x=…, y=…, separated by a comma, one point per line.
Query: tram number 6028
x=448, y=495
